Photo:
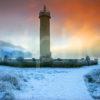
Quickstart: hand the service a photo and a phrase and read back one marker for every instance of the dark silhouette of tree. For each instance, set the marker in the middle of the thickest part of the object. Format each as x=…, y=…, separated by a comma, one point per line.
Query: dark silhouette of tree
x=5, y=58
x=20, y=59
x=33, y=59
x=88, y=60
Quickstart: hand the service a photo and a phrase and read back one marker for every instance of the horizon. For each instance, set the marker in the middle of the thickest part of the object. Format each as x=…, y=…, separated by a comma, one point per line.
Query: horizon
x=74, y=26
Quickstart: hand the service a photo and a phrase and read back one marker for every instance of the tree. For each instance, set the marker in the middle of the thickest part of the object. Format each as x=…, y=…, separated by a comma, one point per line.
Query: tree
x=20, y=59
x=33, y=59
x=6, y=58
x=88, y=60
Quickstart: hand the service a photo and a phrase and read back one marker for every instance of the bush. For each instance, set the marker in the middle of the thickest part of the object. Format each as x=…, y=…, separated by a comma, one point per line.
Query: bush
x=11, y=80
x=8, y=83
x=8, y=96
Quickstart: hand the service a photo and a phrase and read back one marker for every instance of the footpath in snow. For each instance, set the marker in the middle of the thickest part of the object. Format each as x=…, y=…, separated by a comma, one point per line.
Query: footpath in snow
x=44, y=83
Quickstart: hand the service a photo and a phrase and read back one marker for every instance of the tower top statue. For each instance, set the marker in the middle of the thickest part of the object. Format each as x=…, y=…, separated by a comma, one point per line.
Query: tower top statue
x=44, y=12
x=45, y=8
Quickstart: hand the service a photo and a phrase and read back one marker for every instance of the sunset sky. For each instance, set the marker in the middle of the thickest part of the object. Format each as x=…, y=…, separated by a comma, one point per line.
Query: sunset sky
x=75, y=26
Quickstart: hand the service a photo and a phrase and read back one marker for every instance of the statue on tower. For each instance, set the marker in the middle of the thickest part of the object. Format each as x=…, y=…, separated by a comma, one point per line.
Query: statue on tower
x=44, y=8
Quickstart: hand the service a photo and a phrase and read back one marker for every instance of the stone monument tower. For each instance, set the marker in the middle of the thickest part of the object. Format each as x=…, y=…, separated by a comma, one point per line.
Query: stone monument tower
x=44, y=16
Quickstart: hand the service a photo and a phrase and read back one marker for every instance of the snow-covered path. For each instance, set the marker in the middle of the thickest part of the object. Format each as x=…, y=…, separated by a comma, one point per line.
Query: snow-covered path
x=51, y=84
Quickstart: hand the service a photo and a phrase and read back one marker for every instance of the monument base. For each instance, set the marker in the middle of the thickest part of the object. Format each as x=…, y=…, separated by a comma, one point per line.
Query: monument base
x=46, y=61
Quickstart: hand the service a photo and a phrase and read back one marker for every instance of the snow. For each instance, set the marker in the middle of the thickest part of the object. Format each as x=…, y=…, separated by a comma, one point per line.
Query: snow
x=45, y=83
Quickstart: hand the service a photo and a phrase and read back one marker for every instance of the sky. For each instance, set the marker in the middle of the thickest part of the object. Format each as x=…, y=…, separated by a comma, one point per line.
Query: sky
x=75, y=26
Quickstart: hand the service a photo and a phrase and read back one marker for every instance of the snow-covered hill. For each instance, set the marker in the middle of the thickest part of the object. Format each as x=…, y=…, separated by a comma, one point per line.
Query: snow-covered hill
x=13, y=51
x=44, y=83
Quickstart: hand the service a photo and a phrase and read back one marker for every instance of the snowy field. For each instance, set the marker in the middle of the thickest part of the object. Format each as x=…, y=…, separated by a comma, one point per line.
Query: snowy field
x=44, y=83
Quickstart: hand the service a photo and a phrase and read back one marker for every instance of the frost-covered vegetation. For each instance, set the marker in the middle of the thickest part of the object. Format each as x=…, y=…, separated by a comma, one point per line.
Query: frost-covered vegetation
x=8, y=83
x=53, y=63
x=92, y=80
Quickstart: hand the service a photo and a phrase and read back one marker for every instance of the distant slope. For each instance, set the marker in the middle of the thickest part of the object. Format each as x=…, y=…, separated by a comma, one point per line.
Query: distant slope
x=13, y=51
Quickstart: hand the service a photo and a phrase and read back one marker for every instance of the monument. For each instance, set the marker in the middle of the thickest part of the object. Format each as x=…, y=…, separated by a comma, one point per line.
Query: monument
x=44, y=16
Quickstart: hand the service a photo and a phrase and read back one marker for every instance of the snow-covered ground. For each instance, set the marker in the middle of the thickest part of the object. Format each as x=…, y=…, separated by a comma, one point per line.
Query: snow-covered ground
x=44, y=83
